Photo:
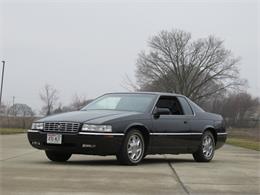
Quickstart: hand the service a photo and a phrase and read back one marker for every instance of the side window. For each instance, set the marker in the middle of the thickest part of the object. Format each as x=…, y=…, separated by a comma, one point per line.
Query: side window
x=171, y=103
x=185, y=106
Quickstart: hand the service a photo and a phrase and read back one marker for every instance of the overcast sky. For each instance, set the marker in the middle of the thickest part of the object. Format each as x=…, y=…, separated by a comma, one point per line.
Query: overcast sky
x=86, y=47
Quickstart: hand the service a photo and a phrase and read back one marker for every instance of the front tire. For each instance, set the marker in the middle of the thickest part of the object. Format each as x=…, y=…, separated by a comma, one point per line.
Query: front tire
x=132, y=149
x=57, y=156
x=206, y=150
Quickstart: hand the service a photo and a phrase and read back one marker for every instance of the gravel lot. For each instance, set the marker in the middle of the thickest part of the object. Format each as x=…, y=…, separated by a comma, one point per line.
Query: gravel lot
x=25, y=170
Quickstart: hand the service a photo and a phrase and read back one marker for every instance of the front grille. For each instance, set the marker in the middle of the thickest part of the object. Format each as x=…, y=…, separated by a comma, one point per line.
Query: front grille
x=61, y=127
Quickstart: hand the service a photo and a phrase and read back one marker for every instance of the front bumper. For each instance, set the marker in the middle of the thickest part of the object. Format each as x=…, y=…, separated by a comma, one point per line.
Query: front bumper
x=79, y=143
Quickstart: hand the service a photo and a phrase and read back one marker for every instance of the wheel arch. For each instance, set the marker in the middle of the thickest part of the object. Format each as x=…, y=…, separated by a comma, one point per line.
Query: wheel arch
x=143, y=129
x=213, y=131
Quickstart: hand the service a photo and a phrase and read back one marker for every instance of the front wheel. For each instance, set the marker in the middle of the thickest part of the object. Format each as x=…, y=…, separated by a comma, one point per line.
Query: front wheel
x=132, y=149
x=206, y=149
x=57, y=156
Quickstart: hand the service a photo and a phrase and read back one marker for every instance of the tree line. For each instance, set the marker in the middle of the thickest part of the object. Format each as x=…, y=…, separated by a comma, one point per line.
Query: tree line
x=19, y=115
x=51, y=105
x=239, y=109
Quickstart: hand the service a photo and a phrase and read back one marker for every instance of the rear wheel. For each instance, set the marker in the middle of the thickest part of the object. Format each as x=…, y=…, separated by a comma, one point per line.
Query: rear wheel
x=57, y=156
x=132, y=149
x=206, y=149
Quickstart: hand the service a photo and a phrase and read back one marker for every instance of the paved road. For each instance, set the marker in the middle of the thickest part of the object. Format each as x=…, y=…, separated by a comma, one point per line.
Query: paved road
x=25, y=170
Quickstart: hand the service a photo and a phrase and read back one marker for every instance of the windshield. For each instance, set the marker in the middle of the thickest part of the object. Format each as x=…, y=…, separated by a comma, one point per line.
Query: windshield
x=122, y=102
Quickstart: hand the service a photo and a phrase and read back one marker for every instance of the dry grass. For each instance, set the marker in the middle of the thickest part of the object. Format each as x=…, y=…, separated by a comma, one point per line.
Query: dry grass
x=245, y=143
x=244, y=137
x=6, y=131
x=244, y=133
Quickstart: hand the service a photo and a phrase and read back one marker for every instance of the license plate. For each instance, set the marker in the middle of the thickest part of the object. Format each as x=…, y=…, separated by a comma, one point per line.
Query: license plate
x=53, y=138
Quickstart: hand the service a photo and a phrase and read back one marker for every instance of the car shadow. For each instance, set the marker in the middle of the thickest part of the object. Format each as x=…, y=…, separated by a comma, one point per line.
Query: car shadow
x=114, y=162
x=166, y=160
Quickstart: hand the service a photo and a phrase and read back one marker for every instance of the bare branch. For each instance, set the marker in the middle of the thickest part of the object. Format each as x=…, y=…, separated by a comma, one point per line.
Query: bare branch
x=176, y=63
x=49, y=96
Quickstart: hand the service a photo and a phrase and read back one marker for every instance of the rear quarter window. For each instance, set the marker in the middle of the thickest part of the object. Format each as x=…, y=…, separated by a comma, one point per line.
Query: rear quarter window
x=185, y=106
x=195, y=107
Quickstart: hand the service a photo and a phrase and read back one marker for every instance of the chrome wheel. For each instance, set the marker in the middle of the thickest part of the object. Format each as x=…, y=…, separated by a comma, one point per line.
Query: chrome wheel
x=135, y=147
x=206, y=150
x=207, y=146
x=132, y=149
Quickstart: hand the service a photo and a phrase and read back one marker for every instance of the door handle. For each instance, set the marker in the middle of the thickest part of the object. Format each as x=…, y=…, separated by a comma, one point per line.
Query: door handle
x=185, y=122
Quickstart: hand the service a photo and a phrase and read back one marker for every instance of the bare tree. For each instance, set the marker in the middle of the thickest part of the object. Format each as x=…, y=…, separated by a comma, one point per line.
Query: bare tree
x=238, y=109
x=79, y=102
x=49, y=96
x=76, y=104
x=129, y=85
x=22, y=110
x=22, y=115
x=3, y=109
x=5, y=114
x=197, y=69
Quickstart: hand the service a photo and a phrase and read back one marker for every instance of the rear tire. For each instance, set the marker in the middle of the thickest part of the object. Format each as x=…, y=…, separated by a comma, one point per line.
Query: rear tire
x=206, y=150
x=132, y=149
x=57, y=156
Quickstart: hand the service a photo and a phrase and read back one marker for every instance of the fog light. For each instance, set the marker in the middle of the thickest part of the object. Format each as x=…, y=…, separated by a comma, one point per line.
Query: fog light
x=36, y=143
x=88, y=145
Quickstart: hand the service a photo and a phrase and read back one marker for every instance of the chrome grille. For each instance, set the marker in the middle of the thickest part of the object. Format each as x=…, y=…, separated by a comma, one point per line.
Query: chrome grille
x=61, y=127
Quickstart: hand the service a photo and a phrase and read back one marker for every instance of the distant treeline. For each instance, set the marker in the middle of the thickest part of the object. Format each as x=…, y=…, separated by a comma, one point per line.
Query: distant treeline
x=238, y=109
x=16, y=122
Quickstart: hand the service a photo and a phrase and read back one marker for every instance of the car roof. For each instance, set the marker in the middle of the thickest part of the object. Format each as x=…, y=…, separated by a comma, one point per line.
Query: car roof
x=148, y=92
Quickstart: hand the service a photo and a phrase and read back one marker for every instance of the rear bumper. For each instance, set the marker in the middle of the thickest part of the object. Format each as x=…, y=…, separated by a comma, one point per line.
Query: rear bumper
x=221, y=139
x=79, y=143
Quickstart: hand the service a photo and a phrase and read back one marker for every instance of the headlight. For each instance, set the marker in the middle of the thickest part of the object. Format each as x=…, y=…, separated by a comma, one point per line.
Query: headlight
x=98, y=128
x=38, y=126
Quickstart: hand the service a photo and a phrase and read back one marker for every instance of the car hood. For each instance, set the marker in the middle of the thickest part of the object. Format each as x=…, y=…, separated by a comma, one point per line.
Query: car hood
x=96, y=116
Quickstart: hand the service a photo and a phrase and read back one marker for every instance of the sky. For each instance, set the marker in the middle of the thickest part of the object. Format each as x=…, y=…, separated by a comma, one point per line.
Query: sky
x=87, y=47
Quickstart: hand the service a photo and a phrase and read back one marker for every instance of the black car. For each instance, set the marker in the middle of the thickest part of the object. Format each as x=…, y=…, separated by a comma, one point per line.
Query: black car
x=130, y=126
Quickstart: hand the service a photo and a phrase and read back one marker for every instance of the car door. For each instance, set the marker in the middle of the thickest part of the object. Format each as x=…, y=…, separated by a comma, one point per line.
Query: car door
x=170, y=132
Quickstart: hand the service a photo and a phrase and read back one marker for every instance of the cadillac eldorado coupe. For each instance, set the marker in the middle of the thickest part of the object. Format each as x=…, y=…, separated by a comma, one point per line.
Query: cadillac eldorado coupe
x=131, y=126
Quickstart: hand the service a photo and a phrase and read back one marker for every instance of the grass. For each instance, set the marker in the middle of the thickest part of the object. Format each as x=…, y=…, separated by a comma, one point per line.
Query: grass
x=6, y=131
x=245, y=143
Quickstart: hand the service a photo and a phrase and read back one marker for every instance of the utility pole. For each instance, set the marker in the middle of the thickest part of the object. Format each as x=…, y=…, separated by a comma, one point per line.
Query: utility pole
x=13, y=108
x=2, y=82
x=13, y=100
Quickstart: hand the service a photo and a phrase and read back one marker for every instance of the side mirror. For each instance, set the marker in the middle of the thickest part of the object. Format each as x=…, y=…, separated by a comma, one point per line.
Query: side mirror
x=161, y=111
